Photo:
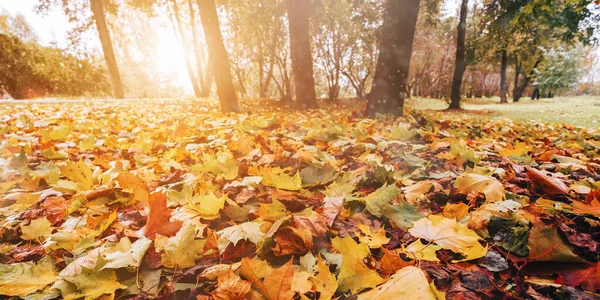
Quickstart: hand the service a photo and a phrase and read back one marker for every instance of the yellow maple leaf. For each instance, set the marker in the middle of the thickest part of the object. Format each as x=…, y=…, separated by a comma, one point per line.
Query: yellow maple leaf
x=449, y=234
x=354, y=274
x=518, y=149
x=373, y=239
x=408, y=283
x=488, y=185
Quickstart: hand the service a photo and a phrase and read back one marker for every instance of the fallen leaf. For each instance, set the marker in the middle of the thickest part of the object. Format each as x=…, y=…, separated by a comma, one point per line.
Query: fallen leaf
x=159, y=218
x=408, y=283
x=354, y=274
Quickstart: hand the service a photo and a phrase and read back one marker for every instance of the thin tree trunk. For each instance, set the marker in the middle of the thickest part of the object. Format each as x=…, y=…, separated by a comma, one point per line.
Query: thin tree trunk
x=302, y=63
x=186, y=50
x=97, y=7
x=202, y=80
x=261, y=72
x=503, y=67
x=218, y=56
x=516, y=81
x=521, y=89
x=461, y=63
x=396, y=43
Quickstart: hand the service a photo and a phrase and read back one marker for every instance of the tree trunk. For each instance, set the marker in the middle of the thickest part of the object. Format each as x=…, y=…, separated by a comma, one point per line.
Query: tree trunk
x=107, y=47
x=186, y=50
x=218, y=56
x=519, y=90
x=516, y=81
x=461, y=63
x=261, y=72
x=302, y=63
x=503, y=67
x=391, y=75
x=202, y=80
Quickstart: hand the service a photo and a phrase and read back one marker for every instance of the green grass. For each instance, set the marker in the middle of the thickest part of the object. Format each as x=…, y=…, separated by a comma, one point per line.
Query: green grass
x=579, y=111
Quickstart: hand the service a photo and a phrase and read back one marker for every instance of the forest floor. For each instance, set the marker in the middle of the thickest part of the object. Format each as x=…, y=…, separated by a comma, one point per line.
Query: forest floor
x=172, y=199
x=580, y=111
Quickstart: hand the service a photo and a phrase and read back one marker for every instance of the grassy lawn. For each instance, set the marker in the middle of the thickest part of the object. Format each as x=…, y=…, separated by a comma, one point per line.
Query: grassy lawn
x=579, y=111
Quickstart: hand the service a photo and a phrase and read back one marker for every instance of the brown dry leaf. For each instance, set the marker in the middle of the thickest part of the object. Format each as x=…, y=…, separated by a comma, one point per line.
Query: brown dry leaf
x=291, y=240
x=159, y=218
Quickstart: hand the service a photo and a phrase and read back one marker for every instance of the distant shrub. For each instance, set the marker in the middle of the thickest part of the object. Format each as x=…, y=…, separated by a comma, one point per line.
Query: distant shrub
x=28, y=70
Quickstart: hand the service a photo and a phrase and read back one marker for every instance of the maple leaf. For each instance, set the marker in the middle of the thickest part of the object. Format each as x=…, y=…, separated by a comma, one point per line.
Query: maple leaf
x=391, y=262
x=36, y=229
x=449, y=234
x=230, y=286
x=332, y=206
x=418, y=190
x=181, y=250
x=276, y=178
x=274, y=284
x=401, y=214
x=79, y=173
x=272, y=211
x=545, y=244
x=207, y=206
x=587, y=276
x=373, y=239
x=408, y=283
x=246, y=231
x=518, y=149
x=324, y=281
x=489, y=186
x=127, y=255
x=354, y=274
x=22, y=279
x=550, y=185
x=159, y=218
x=131, y=182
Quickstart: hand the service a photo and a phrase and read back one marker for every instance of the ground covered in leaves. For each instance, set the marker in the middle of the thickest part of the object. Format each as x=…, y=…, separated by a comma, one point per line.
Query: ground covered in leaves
x=170, y=199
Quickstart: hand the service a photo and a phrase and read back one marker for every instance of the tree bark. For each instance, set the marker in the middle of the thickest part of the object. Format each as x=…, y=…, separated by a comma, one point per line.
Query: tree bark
x=202, y=80
x=97, y=7
x=519, y=90
x=516, y=81
x=186, y=50
x=461, y=63
x=391, y=75
x=503, y=67
x=218, y=56
x=302, y=63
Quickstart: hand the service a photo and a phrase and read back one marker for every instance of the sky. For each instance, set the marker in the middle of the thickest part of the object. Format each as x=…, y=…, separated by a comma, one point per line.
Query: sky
x=53, y=27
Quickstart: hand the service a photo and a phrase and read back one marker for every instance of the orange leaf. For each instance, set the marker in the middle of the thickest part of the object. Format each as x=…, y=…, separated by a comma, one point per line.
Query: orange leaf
x=551, y=186
x=158, y=218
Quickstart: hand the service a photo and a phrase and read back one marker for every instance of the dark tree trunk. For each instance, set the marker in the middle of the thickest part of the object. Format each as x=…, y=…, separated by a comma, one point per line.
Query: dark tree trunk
x=503, y=67
x=516, y=81
x=461, y=63
x=217, y=55
x=202, y=79
x=302, y=63
x=97, y=7
x=535, y=95
x=186, y=50
x=519, y=90
x=391, y=75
